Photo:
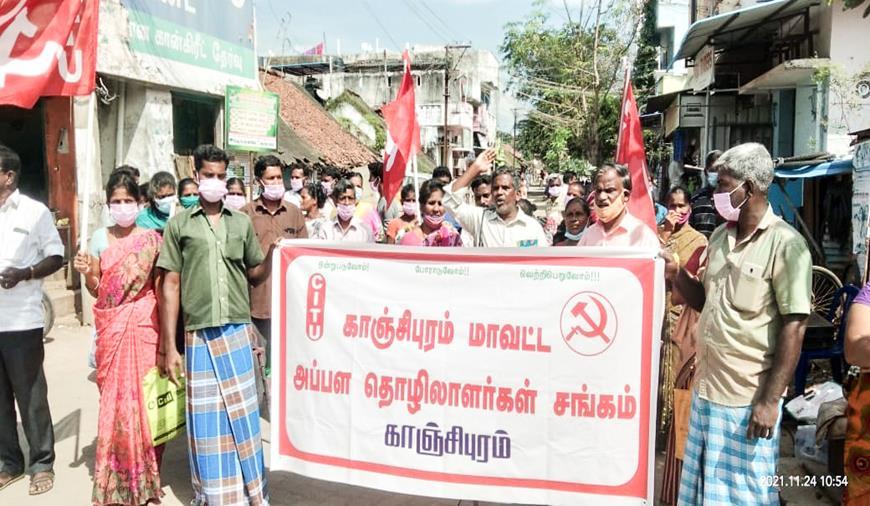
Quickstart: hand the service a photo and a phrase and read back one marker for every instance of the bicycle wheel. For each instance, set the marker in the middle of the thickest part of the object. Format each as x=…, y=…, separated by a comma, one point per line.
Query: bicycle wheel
x=825, y=286
x=48, y=308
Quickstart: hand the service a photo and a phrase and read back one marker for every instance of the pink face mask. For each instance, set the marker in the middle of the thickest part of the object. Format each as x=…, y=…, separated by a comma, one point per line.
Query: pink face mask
x=554, y=191
x=726, y=210
x=433, y=221
x=685, y=218
x=409, y=208
x=273, y=192
x=345, y=211
x=296, y=185
x=212, y=190
x=234, y=202
x=124, y=214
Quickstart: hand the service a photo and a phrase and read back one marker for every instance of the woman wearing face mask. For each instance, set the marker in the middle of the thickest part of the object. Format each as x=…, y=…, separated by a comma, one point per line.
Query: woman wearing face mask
x=433, y=230
x=408, y=221
x=188, y=193
x=119, y=272
x=235, y=198
x=312, y=200
x=576, y=216
x=162, y=200
x=687, y=246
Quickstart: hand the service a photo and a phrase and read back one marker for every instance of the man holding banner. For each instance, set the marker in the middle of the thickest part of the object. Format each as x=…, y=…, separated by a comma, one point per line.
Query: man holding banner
x=754, y=299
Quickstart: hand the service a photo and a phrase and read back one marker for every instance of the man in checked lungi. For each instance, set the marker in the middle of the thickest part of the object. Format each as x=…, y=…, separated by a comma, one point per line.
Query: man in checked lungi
x=210, y=254
x=754, y=299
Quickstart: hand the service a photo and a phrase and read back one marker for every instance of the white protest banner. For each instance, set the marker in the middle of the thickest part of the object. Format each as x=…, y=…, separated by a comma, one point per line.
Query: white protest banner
x=500, y=374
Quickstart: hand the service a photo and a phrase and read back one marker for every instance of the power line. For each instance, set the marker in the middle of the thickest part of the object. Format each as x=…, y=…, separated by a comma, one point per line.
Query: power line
x=439, y=19
x=368, y=7
x=422, y=18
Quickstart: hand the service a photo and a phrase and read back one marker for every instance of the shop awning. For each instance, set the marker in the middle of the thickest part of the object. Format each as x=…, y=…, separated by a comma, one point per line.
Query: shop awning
x=790, y=74
x=821, y=170
x=752, y=24
x=660, y=103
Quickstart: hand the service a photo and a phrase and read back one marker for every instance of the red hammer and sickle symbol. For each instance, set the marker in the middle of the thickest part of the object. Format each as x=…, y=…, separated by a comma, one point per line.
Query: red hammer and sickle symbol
x=596, y=329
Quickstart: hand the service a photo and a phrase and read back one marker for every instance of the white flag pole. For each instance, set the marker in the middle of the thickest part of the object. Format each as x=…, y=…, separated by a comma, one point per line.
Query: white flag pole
x=416, y=184
x=86, y=183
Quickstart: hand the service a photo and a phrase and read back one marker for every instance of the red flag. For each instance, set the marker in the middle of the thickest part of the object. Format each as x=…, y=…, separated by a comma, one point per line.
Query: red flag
x=403, y=133
x=316, y=50
x=630, y=152
x=47, y=48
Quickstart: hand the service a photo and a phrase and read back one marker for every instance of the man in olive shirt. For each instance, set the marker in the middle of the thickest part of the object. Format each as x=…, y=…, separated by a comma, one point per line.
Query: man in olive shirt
x=754, y=298
x=273, y=218
x=210, y=254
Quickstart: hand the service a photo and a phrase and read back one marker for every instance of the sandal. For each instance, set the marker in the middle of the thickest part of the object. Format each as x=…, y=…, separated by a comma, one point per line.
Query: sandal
x=41, y=482
x=9, y=479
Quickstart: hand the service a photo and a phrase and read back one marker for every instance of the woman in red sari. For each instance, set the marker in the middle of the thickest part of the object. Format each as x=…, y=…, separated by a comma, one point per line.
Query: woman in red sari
x=120, y=274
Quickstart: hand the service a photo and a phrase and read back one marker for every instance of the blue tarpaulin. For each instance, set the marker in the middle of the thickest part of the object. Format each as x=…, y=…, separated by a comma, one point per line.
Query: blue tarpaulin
x=823, y=169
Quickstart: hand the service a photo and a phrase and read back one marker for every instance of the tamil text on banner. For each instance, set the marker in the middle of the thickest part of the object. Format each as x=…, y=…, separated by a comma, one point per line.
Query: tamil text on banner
x=251, y=119
x=47, y=48
x=191, y=45
x=493, y=375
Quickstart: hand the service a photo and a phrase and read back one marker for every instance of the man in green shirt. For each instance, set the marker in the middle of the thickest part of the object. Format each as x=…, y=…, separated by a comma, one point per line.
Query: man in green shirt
x=210, y=254
x=754, y=298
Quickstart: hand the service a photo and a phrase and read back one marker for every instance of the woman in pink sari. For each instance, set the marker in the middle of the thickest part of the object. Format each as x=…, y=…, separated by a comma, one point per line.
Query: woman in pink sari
x=433, y=231
x=120, y=273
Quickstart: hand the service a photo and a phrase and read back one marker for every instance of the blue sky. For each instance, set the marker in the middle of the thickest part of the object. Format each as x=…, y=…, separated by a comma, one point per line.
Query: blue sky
x=285, y=27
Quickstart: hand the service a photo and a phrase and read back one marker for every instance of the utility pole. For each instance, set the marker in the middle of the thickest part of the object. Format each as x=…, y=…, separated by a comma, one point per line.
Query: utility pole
x=445, y=144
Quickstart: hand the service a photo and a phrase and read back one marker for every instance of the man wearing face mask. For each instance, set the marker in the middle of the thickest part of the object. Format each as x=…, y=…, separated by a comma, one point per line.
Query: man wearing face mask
x=210, y=255
x=704, y=216
x=161, y=197
x=273, y=218
x=299, y=175
x=615, y=225
x=345, y=227
x=504, y=224
x=754, y=298
x=328, y=177
x=556, y=192
x=30, y=250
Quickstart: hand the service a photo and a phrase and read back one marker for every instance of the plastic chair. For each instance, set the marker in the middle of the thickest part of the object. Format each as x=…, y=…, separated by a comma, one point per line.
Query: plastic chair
x=842, y=298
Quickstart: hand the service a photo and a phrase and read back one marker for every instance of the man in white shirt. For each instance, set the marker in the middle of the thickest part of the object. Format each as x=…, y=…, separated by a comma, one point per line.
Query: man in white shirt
x=616, y=226
x=345, y=227
x=501, y=226
x=29, y=251
x=299, y=175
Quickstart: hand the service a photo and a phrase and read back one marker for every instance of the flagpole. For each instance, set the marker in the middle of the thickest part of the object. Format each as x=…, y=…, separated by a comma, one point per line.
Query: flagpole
x=622, y=104
x=86, y=190
x=416, y=182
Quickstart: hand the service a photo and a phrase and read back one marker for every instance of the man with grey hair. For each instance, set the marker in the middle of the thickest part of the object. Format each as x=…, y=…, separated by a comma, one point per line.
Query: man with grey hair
x=616, y=226
x=502, y=225
x=754, y=296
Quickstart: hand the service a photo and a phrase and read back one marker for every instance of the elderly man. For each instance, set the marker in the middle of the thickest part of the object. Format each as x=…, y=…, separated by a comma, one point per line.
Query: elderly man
x=29, y=251
x=616, y=226
x=345, y=227
x=754, y=298
x=502, y=226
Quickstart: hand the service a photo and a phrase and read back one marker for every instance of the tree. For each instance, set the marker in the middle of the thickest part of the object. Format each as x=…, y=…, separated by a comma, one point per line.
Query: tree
x=646, y=61
x=571, y=74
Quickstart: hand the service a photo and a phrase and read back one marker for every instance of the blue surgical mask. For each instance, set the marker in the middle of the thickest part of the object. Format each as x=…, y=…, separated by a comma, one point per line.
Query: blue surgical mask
x=164, y=205
x=712, y=179
x=574, y=237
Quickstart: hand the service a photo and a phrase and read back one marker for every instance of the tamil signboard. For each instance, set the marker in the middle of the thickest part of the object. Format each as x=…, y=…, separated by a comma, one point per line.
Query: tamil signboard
x=500, y=375
x=703, y=73
x=189, y=44
x=251, y=119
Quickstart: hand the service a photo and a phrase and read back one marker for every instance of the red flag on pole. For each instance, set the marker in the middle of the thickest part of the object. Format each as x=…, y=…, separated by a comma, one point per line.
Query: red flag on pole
x=403, y=133
x=47, y=49
x=630, y=152
x=316, y=50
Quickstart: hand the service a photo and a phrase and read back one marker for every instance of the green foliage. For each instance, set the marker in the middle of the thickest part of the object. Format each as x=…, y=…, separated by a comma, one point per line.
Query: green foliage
x=646, y=61
x=367, y=113
x=571, y=74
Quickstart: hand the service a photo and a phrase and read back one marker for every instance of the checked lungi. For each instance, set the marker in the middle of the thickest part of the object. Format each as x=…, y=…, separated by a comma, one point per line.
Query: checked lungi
x=223, y=418
x=721, y=466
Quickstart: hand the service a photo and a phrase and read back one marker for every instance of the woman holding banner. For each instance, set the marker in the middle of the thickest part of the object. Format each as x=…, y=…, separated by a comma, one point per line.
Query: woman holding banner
x=120, y=274
x=433, y=231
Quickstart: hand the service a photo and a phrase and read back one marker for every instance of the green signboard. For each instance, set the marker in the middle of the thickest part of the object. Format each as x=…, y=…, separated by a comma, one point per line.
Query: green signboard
x=251, y=120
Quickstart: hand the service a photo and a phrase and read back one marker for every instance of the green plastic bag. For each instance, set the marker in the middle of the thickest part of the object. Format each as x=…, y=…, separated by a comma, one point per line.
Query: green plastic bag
x=166, y=405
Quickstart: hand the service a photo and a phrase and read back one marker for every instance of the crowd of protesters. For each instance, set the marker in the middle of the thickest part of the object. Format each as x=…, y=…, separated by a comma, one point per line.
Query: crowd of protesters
x=190, y=263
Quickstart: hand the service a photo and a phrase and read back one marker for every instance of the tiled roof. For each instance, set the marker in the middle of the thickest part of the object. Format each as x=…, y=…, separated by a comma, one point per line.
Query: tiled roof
x=314, y=125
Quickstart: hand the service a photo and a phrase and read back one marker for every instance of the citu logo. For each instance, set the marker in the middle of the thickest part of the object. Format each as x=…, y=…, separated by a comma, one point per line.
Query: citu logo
x=314, y=307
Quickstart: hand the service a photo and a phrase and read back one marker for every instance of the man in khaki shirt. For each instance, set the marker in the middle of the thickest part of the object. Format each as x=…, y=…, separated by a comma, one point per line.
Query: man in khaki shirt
x=754, y=298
